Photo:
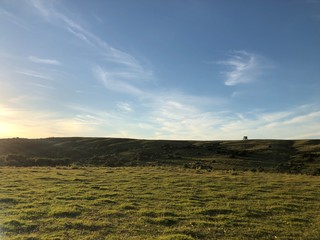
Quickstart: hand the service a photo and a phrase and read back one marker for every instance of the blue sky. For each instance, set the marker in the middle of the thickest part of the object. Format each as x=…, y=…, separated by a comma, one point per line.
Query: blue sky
x=180, y=69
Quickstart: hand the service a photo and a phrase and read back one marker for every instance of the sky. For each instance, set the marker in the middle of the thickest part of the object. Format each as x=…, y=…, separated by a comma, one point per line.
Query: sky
x=154, y=69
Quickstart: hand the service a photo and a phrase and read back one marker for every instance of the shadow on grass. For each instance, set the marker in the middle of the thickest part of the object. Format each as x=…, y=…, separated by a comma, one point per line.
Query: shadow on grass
x=214, y=212
x=15, y=226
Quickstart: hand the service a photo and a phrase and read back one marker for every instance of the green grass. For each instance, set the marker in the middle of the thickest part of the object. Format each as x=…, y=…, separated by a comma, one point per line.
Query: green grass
x=156, y=203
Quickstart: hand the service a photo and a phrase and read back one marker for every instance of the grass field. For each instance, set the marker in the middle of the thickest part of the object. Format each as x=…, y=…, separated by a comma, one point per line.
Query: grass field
x=156, y=203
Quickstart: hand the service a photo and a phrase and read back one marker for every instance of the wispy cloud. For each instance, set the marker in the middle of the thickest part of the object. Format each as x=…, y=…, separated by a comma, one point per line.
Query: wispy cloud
x=39, y=5
x=124, y=107
x=38, y=85
x=44, y=60
x=294, y=123
x=29, y=122
x=244, y=67
x=290, y=124
x=178, y=120
x=114, y=84
x=16, y=100
x=166, y=119
x=34, y=74
x=125, y=66
x=14, y=19
x=43, y=124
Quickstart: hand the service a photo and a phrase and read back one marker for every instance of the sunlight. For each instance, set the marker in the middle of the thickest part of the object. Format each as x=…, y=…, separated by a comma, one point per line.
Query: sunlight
x=6, y=130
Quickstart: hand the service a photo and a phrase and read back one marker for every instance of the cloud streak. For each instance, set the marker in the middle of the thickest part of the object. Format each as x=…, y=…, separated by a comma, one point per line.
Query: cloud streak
x=15, y=20
x=124, y=107
x=129, y=68
x=34, y=74
x=244, y=67
x=44, y=61
x=174, y=122
x=165, y=118
x=114, y=84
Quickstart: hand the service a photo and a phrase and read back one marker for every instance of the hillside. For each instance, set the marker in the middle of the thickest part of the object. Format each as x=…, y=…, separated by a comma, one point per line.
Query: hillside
x=292, y=156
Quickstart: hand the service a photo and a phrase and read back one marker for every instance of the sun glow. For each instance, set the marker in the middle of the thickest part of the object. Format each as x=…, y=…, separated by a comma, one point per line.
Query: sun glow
x=6, y=130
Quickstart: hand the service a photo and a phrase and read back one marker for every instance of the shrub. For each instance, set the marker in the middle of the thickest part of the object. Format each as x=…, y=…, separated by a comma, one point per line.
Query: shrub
x=17, y=160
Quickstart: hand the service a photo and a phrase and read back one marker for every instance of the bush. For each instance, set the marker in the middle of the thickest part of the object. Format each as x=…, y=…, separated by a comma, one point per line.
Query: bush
x=17, y=160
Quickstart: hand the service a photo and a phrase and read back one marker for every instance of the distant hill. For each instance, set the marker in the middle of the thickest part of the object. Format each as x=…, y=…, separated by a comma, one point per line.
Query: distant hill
x=291, y=156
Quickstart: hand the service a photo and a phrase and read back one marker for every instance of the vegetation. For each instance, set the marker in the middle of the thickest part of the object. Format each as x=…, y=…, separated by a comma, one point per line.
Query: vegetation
x=104, y=188
x=156, y=203
x=289, y=156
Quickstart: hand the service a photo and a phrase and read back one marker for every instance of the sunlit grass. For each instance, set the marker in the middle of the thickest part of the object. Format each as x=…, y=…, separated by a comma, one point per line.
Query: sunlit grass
x=156, y=203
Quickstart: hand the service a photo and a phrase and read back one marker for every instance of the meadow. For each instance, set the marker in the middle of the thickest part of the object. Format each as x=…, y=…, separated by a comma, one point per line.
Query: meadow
x=156, y=203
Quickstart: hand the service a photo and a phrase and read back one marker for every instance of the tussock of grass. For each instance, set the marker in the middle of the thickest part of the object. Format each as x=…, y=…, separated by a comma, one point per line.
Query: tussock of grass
x=214, y=212
x=176, y=237
x=15, y=226
x=103, y=202
x=32, y=214
x=8, y=200
x=164, y=221
x=87, y=226
x=127, y=206
x=154, y=214
x=68, y=212
x=111, y=213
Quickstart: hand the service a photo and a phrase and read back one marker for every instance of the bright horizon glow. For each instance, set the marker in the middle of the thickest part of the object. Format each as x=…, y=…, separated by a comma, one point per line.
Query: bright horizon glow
x=191, y=70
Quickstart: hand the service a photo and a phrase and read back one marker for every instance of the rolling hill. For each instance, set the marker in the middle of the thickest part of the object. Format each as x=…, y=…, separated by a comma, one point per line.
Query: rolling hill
x=291, y=156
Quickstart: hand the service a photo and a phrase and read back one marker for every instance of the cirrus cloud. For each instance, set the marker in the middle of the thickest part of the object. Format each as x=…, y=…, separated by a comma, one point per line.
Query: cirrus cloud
x=44, y=60
x=243, y=67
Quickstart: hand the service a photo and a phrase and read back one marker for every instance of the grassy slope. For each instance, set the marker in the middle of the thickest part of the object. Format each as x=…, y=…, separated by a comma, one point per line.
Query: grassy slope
x=156, y=203
x=281, y=155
